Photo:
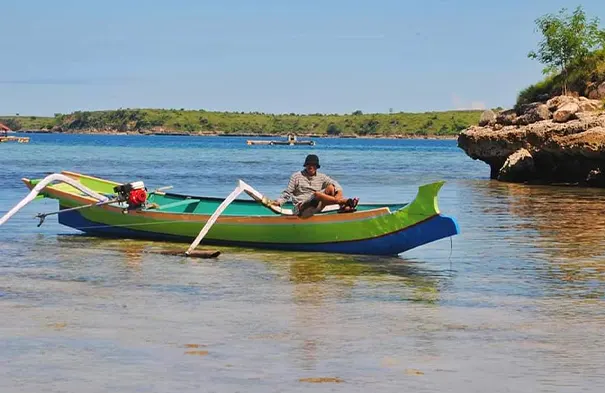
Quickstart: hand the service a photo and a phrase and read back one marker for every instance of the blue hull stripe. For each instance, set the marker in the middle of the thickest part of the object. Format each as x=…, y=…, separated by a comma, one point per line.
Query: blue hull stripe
x=434, y=228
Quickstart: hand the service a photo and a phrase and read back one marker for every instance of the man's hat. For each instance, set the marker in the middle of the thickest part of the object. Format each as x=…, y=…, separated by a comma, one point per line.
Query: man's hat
x=312, y=159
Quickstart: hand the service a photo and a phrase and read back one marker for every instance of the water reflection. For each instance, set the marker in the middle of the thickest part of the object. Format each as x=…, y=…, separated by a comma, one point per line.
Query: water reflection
x=349, y=270
x=569, y=221
x=334, y=292
x=133, y=253
x=556, y=230
x=416, y=280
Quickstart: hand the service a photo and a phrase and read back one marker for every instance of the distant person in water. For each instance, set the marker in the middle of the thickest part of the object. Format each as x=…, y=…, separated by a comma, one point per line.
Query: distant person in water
x=311, y=191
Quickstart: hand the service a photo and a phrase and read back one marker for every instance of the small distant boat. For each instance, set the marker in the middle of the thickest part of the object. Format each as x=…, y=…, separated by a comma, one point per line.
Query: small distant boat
x=18, y=139
x=291, y=141
x=6, y=138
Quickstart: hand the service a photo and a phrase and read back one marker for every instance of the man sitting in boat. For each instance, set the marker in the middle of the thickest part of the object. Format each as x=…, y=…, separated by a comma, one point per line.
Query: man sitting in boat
x=311, y=191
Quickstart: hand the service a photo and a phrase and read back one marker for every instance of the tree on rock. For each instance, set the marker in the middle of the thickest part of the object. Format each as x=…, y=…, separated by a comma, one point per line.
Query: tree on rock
x=568, y=40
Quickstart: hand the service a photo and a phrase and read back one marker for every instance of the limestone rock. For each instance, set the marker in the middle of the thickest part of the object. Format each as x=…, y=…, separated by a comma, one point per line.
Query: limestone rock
x=506, y=117
x=587, y=105
x=534, y=114
x=526, y=108
x=557, y=102
x=601, y=91
x=546, y=151
x=566, y=112
x=588, y=144
x=518, y=167
x=596, y=178
x=487, y=117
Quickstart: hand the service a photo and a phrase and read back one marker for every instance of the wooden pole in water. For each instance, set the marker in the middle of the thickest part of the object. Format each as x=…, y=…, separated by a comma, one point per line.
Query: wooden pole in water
x=207, y=254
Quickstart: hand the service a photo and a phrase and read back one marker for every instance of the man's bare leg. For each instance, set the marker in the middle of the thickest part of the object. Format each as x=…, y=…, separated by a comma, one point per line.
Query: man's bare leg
x=330, y=197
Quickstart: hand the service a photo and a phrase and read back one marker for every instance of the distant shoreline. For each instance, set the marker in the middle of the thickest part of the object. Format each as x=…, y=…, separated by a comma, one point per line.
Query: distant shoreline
x=399, y=125
x=249, y=135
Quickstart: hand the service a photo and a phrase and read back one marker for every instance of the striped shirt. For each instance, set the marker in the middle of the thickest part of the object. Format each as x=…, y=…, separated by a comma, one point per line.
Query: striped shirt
x=301, y=186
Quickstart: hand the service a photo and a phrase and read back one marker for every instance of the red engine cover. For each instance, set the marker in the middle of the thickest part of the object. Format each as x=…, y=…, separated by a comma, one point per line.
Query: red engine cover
x=137, y=197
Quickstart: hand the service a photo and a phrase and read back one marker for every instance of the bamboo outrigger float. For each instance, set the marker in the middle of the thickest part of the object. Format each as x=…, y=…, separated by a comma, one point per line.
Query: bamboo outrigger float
x=103, y=208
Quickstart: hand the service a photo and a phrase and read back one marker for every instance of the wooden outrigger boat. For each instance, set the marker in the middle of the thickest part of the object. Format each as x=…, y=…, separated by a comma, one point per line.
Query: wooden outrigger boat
x=374, y=229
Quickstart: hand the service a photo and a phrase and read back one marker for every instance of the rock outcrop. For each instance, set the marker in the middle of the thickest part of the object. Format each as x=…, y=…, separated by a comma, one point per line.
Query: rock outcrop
x=566, y=112
x=487, y=117
x=518, y=167
x=558, y=141
x=597, y=92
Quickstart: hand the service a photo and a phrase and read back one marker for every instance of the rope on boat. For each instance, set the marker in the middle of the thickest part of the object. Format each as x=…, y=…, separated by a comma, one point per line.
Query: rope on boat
x=43, y=183
x=451, y=249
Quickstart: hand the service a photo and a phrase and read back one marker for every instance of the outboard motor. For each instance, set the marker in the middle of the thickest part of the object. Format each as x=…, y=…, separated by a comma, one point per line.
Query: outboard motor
x=135, y=194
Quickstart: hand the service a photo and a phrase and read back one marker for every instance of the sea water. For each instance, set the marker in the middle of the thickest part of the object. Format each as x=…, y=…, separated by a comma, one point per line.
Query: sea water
x=514, y=303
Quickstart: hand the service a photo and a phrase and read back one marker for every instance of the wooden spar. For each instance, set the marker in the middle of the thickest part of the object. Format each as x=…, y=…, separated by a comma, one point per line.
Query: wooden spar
x=241, y=187
x=234, y=194
x=42, y=216
x=43, y=183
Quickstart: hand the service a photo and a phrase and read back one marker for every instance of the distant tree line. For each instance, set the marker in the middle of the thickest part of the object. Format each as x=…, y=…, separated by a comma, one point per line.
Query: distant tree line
x=201, y=121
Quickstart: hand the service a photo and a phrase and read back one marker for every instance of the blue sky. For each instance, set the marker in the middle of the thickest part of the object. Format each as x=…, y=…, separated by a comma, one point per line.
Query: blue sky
x=328, y=56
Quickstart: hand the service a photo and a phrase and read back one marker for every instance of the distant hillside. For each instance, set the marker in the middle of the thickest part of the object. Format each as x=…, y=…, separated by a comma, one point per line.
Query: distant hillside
x=204, y=122
x=17, y=123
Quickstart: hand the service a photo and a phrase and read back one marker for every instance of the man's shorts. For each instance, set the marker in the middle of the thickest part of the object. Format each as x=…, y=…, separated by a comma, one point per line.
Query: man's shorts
x=309, y=207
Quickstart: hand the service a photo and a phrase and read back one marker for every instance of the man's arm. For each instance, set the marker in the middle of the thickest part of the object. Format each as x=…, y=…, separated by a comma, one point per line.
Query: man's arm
x=288, y=193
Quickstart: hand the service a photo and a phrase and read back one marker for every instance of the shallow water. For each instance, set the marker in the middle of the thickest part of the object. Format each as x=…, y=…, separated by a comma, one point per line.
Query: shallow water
x=516, y=303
